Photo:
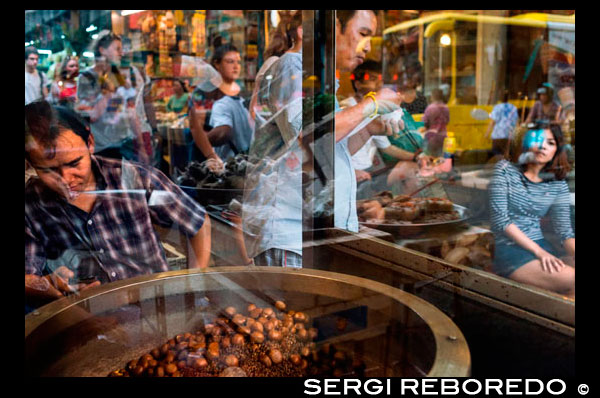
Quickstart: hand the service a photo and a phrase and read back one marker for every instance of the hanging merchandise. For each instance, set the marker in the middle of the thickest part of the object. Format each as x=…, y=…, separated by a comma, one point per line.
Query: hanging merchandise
x=170, y=32
x=179, y=17
x=198, y=38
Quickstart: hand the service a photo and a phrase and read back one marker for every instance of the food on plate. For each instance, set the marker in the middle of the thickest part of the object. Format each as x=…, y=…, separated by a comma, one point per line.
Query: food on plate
x=404, y=209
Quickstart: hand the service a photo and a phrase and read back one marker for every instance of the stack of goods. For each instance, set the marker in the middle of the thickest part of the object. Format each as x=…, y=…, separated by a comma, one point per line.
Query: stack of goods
x=404, y=209
x=261, y=342
x=198, y=174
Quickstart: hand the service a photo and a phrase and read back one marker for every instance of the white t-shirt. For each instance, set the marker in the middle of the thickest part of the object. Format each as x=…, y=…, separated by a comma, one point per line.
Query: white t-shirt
x=33, y=89
x=363, y=158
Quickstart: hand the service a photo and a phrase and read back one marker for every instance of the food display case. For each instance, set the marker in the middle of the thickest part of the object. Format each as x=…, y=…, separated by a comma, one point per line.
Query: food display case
x=388, y=331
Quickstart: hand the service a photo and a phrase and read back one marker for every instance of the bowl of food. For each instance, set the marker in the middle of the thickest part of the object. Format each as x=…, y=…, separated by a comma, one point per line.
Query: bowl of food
x=244, y=321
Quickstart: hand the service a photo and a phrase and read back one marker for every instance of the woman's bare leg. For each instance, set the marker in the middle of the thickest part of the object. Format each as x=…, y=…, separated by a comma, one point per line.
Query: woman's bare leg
x=562, y=281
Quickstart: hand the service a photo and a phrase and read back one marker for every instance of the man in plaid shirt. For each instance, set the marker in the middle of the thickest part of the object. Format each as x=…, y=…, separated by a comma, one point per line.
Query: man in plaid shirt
x=90, y=218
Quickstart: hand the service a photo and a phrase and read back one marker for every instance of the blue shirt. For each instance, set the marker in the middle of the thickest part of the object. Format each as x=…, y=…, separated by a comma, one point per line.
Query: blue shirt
x=345, y=215
x=505, y=116
x=272, y=209
x=230, y=111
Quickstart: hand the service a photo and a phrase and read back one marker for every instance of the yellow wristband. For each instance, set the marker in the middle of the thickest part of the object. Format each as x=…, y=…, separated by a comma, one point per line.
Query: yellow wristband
x=371, y=94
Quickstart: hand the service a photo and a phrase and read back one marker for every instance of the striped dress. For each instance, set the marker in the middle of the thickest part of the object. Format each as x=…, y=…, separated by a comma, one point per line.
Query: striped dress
x=516, y=200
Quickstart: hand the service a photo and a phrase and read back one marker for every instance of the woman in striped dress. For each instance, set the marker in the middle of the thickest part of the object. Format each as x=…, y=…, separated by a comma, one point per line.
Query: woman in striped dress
x=520, y=195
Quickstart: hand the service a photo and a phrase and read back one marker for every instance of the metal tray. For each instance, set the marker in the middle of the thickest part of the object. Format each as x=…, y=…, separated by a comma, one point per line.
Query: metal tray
x=409, y=228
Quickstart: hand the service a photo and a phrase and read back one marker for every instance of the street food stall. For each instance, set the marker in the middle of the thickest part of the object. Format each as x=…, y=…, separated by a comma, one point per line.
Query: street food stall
x=411, y=294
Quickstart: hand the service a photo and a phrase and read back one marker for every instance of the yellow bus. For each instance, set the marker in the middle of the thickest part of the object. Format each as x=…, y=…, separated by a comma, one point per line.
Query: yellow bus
x=473, y=57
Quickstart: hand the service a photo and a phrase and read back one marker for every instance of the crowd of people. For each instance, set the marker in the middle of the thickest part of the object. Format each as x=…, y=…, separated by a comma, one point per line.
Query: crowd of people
x=90, y=212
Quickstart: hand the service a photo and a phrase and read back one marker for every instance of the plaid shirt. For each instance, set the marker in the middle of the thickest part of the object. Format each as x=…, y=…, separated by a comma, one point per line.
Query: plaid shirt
x=117, y=235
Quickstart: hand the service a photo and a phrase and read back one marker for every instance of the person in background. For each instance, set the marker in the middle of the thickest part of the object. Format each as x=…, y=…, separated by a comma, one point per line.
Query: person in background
x=89, y=219
x=35, y=81
x=436, y=118
x=231, y=131
x=412, y=100
x=520, y=195
x=178, y=102
x=503, y=121
x=545, y=108
x=278, y=45
x=102, y=94
x=272, y=205
x=367, y=78
x=64, y=87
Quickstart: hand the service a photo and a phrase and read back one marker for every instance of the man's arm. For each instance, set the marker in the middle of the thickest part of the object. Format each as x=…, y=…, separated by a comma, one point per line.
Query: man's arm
x=346, y=120
x=398, y=153
x=220, y=135
x=200, y=244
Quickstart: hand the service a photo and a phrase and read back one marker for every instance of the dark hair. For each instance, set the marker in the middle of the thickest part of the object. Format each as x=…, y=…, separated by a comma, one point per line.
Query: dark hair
x=437, y=94
x=182, y=84
x=505, y=95
x=44, y=123
x=30, y=50
x=362, y=69
x=221, y=51
x=63, y=68
x=346, y=15
x=285, y=35
x=104, y=40
x=559, y=165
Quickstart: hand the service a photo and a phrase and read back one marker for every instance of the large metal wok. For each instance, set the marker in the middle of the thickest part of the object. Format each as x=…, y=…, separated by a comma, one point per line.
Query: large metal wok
x=396, y=333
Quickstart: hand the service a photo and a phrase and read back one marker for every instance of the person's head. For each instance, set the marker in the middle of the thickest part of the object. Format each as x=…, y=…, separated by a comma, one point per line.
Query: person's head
x=551, y=152
x=545, y=93
x=353, y=31
x=287, y=34
x=69, y=68
x=108, y=48
x=367, y=77
x=58, y=145
x=31, y=58
x=227, y=61
x=505, y=96
x=408, y=92
x=437, y=95
x=179, y=87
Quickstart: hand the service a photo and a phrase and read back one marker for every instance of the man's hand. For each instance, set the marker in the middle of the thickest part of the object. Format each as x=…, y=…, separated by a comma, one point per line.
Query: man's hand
x=362, y=175
x=215, y=164
x=387, y=101
x=55, y=285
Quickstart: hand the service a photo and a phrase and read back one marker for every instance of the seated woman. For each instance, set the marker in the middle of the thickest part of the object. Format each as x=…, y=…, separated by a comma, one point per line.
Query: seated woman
x=520, y=195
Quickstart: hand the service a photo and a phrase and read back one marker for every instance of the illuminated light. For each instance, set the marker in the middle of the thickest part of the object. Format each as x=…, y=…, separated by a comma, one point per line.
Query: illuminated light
x=366, y=76
x=62, y=36
x=47, y=52
x=395, y=77
x=88, y=54
x=379, y=77
x=129, y=12
x=74, y=53
x=95, y=36
x=91, y=28
x=445, y=39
